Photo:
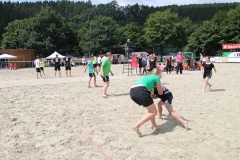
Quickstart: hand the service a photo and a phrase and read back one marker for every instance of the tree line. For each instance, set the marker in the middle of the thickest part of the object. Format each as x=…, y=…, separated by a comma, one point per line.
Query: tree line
x=80, y=27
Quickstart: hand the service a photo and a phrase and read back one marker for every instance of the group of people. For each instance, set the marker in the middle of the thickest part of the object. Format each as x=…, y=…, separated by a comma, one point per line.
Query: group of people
x=12, y=67
x=141, y=91
x=104, y=67
x=40, y=64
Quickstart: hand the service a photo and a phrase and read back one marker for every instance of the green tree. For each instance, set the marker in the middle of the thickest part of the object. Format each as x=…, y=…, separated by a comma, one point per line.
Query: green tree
x=47, y=32
x=163, y=29
x=101, y=35
x=12, y=34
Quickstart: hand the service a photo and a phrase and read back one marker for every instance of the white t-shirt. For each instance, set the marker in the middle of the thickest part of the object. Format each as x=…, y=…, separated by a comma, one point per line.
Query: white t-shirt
x=99, y=60
x=37, y=63
x=83, y=60
x=104, y=58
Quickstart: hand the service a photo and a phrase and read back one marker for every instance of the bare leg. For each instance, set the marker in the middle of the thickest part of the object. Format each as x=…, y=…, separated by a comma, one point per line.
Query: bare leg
x=55, y=73
x=70, y=73
x=40, y=74
x=152, y=112
x=205, y=83
x=106, y=84
x=67, y=73
x=95, y=84
x=37, y=75
x=89, y=82
x=160, y=103
x=60, y=74
x=175, y=115
x=43, y=72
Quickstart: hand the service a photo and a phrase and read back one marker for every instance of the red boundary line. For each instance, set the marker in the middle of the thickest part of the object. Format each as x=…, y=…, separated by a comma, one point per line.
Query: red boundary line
x=79, y=126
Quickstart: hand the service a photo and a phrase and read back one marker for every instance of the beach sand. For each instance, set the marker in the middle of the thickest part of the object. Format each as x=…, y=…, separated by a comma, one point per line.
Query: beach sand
x=60, y=118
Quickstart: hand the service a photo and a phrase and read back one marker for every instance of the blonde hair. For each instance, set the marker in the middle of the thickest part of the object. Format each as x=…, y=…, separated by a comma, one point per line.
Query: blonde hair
x=108, y=54
x=156, y=71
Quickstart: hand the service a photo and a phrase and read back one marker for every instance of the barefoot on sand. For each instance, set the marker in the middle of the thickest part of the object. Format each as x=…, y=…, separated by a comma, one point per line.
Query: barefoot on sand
x=210, y=86
x=160, y=118
x=185, y=125
x=155, y=129
x=137, y=131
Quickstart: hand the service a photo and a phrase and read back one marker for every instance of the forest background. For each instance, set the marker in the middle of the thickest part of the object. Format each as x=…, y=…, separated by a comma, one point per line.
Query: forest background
x=79, y=27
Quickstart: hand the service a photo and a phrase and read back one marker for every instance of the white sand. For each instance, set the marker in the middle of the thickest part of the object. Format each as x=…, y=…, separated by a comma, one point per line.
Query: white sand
x=35, y=123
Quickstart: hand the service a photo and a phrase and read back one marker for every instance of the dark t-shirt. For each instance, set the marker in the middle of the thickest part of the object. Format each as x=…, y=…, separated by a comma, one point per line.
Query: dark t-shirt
x=67, y=61
x=140, y=61
x=208, y=68
x=188, y=59
x=152, y=64
x=57, y=61
x=129, y=44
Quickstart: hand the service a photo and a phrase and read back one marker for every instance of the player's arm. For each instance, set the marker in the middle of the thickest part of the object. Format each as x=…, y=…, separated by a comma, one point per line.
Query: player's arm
x=86, y=67
x=102, y=69
x=214, y=69
x=159, y=88
x=111, y=72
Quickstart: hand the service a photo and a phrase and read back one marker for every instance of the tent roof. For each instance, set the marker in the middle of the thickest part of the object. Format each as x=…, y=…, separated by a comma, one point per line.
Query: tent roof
x=7, y=56
x=54, y=55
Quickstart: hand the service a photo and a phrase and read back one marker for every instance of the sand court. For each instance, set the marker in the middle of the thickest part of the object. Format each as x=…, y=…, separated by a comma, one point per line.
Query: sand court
x=42, y=119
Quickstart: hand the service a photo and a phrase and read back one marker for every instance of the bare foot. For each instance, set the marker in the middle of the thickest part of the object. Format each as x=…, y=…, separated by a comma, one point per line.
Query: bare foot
x=185, y=125
x=203, y=91
x=105, y=96
x=155, y=129
x=160, y=118
x=210, y=86
x=96, y=86
x=89, y=86
x=136, y=129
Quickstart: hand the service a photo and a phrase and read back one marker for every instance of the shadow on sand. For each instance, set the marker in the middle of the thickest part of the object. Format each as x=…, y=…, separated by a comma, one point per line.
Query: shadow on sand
x=216, y=90
x=168, y=126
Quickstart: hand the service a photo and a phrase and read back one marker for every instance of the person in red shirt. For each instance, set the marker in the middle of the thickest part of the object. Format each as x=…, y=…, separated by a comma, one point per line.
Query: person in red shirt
x=179, y=62
x=14, y=66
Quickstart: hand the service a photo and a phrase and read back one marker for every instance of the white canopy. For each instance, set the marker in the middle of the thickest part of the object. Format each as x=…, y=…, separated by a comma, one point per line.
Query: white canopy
x=7, y=56
x=54, y=55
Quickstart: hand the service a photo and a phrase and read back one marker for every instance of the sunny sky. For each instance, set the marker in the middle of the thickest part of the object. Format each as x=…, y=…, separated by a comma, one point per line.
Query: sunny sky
x=150, y=2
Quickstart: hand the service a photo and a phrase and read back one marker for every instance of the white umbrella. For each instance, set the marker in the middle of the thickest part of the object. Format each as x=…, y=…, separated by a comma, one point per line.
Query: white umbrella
x=7, y=56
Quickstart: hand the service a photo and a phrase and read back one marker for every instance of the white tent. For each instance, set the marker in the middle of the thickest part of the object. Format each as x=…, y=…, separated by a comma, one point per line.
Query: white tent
x=7, y=56
x=54, y=55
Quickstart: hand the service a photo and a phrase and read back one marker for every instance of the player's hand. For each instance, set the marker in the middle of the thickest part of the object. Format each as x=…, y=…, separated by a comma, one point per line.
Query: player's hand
x=103, y=75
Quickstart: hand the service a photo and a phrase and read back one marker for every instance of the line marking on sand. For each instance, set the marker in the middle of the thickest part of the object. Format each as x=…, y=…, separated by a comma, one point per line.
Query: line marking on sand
x=79, y=126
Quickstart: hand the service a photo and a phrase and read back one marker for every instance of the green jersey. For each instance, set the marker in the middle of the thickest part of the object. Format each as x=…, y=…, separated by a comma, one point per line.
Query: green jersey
x=42, y=64
x=148, y=81
x=95, y=60
x=106, y=67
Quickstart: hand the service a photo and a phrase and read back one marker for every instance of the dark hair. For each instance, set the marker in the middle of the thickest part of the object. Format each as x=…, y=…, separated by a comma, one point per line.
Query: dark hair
x=91, y=56
x=66, y=54
x=37, y=57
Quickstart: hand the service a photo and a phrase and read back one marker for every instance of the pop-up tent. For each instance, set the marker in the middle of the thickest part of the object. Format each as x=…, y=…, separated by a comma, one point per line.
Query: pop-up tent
x=7, y=56
x=54, y=55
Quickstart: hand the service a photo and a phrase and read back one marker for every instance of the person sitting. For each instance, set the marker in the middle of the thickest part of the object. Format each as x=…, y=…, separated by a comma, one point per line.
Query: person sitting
x=10, y=66
x=194, y=65
x=14, y=66
x=73, y=64
x=161, y=67
x=165, y=67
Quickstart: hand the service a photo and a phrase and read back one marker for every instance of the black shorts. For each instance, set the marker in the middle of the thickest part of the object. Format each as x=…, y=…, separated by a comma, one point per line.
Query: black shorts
x=149, y=69
x=207, y=75
x=166, y=98
x=41, y=68
x=188, y=63
x=141, y=96
x=68, y=67
x=94, y=65
x=83, y=63
x=105, y=79
x=57, y=68
x=140, y=66
x=99, y=64
x=91, y=75
x=38, y=70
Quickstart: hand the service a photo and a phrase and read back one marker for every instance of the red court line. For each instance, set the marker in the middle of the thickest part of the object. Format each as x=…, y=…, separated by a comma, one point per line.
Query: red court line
x=79, y=126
